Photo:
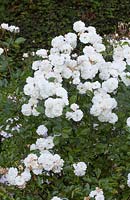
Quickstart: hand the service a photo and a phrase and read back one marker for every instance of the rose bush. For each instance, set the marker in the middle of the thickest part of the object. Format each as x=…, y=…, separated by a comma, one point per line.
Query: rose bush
x=74, y=122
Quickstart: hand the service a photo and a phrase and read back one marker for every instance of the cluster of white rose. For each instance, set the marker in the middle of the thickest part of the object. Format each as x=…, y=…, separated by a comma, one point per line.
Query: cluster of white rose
x=44, y=143
x=80, y=168
x=102, y=107
x=122, y=52
x=97, y=194
x=44, y=163
x=13, y=178
x=11, y=28
x=61, y=63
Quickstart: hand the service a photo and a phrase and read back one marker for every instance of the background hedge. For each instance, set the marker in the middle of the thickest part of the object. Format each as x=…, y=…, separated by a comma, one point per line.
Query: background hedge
x=41, y=20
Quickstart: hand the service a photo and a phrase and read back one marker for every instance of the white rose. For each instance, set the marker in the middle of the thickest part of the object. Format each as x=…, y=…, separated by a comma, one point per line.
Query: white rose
x=74, y=106
x=84, y=38
x=5, y=26
x=80, y=168
x=19, y=181
x=1, y=51
x=77, y=115
x=42, y=130
x=26, y=109
x=79, y=26
x=56, y=198
x=128, y=121
x=42, y=53
x=26, y=175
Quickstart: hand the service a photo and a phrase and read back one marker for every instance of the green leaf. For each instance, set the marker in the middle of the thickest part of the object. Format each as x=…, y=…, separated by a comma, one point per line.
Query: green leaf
x=73, y=99
x=56, y=140
x=20, y=40
x=52, y=79
x=97, y=172
x=65, y=135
